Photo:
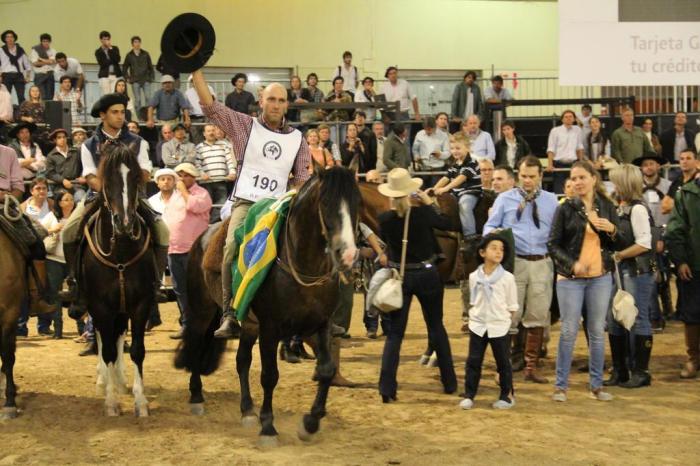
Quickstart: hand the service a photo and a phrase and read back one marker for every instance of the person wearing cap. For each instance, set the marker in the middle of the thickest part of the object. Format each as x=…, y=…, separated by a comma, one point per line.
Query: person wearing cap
x=528, y=211
x=431, y=149
x=108, y=58
x=271, y=150
x=240, y=100
x=14, y=65
x=111, y=109
x=63, y=166
x=494, y=299
x=421, y=278
x=78, y=136
x=30, y=156
x=165, y=179
x=168, y=103
x=179, y=149
x=187, y=216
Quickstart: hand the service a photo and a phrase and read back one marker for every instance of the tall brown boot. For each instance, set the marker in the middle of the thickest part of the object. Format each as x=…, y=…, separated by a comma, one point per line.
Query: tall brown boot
x=338, y=379
x=533, y=343
x=37, y=291
x=692, y=344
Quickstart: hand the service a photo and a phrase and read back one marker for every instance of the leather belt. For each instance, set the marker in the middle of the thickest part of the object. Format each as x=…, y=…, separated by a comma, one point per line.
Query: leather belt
x=413, y=266
x=532, y=257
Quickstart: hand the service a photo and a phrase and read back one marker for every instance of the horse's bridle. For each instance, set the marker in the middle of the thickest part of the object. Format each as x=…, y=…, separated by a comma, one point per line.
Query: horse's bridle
x=101, y=256
x=315, y=280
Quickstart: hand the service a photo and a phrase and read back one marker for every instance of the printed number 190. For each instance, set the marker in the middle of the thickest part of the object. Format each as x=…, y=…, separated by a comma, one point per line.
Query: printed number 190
x=264, y=182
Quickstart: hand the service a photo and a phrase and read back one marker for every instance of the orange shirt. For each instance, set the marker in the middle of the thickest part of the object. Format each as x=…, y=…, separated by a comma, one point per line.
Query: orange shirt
x=321, y=157
x=590, y=254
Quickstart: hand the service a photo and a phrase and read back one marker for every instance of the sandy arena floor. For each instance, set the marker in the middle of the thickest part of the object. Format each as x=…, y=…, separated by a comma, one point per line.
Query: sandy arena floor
x=62, y=421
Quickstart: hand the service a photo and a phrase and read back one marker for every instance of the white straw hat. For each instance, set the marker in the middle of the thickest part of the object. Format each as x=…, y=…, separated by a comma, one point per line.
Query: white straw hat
x=400, y=184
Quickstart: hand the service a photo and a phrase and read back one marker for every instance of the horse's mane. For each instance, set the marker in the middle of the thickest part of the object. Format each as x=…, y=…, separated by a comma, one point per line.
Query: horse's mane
x=334, y=185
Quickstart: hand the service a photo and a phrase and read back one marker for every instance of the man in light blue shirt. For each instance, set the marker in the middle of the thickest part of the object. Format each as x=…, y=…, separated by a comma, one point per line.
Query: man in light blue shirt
x=529, y=212
x=481, y=146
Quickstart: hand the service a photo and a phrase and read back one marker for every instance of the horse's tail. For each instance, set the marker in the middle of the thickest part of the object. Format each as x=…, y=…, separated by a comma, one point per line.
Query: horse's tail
x=199, y=351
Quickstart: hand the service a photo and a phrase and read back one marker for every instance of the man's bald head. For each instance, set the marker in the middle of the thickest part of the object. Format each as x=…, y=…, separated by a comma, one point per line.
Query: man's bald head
x=274, y=104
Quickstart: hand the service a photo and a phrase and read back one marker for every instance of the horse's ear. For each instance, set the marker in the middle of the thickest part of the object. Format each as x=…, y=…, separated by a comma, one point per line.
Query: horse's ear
x=134, y=148
x=354, y=164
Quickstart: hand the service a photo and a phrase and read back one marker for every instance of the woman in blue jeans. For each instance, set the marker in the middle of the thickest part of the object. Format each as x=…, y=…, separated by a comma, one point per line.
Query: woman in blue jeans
x=421, y=277
x=635, y=261
x=581, y=242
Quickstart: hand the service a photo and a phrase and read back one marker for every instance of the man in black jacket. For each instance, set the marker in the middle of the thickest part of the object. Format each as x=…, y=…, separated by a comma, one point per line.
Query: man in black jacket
x=138, y=71
x=108, y=58
x=677, y=139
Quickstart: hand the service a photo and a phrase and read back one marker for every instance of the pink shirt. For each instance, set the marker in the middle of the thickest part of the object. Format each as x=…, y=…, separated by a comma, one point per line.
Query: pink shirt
x=10, y=172
x=186, y=220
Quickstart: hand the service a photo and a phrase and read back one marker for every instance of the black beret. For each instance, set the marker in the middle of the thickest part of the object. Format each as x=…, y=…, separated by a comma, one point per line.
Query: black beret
x=107, y=101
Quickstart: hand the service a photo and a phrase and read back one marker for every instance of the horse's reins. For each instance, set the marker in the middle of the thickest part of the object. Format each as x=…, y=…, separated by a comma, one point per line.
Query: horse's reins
x=317, y=280
x=120, y=267
x=10, y=199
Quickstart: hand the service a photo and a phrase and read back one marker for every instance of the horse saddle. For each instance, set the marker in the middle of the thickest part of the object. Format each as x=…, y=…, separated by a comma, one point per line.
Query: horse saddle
x=25, y=233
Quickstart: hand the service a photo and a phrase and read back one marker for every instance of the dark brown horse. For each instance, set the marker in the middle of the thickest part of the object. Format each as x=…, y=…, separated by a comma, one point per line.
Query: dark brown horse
x=297, y=298
x=13, y=286
x=117, y=272
x=373, y=204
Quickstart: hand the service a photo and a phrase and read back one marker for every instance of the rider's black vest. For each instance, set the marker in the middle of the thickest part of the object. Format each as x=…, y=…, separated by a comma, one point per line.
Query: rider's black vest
x=95, y=142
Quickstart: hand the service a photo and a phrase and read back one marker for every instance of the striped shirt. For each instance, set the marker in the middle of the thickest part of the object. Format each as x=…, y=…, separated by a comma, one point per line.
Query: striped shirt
x=215, y=160
x=470, y=169
x=238, y=126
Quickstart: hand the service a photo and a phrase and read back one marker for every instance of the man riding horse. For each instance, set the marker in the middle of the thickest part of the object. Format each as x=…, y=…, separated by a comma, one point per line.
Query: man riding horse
x=267, y=151
x=20, y=227
x=111, y=110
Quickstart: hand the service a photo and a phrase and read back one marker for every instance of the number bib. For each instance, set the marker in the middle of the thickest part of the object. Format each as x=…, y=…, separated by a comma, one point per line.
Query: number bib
x=267, y=162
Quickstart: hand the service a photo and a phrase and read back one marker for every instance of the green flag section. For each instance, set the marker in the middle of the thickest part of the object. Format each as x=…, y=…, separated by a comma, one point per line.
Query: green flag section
x=257, y=237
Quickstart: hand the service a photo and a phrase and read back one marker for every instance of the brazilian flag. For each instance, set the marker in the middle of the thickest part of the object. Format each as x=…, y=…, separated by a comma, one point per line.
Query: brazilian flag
x=257, y=237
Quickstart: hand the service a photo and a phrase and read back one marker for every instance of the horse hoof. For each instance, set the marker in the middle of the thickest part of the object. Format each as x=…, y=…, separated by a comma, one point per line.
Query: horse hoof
x=250, y=421
x=141, y=411
x=197, y=409
x=8, y=412
x=268, y=441
x=303, y=434
x=112, y=411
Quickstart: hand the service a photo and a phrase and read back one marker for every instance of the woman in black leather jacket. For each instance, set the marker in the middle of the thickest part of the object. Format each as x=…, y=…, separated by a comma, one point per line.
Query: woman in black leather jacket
x=581, y=243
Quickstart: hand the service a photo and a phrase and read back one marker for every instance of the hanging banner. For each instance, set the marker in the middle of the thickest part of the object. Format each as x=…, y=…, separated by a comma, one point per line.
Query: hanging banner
x=629, y=42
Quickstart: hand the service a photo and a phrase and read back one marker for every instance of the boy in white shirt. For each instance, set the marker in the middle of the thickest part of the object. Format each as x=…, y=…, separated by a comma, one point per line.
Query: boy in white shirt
x=494, y=300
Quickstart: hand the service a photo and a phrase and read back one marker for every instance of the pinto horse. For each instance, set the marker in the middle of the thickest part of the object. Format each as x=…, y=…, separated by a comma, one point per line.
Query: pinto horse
x=451, y=268
x=117, y=270
x=298, y=296
x=13, y=285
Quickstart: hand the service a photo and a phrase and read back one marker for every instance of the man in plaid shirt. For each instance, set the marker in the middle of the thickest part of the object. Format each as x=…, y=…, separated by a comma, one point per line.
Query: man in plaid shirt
x=267, y=150
x=66, y=93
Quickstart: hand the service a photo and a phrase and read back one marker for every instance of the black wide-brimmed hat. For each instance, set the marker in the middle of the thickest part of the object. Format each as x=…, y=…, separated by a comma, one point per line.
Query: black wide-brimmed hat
x=649, y=155
x=188, y=42
x=25, y=124
x=9, y=31
x=504, y=235
x=107, y=101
